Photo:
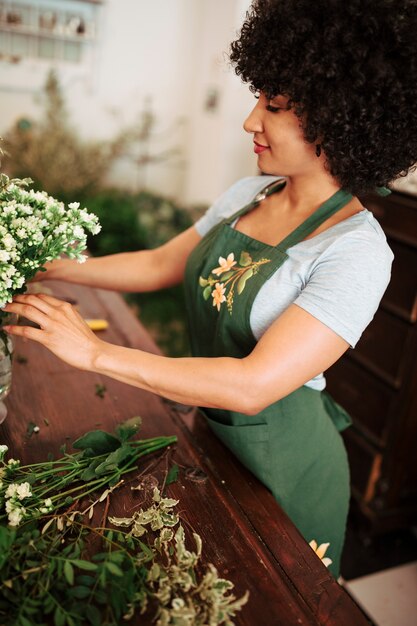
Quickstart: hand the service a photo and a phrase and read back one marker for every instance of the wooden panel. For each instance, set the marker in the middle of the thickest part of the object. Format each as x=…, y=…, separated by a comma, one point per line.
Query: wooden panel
x=397, y=215
x=363, y=396
x=365, y=465
x=401, y=294
x=382, y=347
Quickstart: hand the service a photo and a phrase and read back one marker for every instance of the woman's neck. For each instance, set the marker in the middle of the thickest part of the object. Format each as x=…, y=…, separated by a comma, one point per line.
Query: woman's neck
x=304, y=193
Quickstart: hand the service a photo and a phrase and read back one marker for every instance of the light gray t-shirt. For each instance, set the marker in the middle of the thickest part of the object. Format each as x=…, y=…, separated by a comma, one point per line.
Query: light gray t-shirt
x=338, y=276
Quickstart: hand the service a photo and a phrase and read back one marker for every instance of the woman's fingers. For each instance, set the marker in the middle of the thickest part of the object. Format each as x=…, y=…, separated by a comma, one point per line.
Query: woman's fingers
x=42, y=301
x=62, y=329
x=50, y=300
x=30, y=311
x=26, y=331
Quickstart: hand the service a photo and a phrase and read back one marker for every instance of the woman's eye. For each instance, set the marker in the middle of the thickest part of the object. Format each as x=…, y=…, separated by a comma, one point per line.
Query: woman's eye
x=272, y=109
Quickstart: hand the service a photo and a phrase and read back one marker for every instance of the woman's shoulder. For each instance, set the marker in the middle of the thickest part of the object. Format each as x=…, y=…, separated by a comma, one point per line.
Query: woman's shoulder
x=361, y=233
x=234, y=198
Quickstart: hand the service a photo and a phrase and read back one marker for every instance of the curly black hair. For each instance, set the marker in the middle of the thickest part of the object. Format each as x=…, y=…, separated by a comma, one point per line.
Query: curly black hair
x=349, y=68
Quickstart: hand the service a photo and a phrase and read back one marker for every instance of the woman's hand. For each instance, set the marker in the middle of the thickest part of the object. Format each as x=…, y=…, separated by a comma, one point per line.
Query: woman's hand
x=62, y=330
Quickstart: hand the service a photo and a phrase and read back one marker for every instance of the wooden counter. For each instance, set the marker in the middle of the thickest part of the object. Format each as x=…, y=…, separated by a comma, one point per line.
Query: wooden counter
x=245, y=533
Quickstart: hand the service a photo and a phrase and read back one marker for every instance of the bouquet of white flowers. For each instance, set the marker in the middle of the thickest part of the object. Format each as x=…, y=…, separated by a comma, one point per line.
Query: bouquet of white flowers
x=36, y=228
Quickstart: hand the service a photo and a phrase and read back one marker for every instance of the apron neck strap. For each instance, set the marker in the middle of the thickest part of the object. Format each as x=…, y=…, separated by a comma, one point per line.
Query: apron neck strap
x=336, y=202
x=261, y=195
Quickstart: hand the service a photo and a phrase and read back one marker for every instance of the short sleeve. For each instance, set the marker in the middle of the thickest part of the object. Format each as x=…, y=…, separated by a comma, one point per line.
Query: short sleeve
x=347, y=282
x=234, y=198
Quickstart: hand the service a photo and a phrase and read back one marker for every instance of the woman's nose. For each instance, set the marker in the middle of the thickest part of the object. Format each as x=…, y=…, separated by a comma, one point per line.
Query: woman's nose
x=253, y=123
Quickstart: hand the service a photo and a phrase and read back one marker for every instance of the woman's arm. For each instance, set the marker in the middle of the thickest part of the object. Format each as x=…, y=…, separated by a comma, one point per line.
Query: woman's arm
x=293, y=350
x=144, y=270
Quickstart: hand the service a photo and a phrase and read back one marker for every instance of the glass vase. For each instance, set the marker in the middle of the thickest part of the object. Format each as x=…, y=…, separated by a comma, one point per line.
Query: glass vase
x=6, y=352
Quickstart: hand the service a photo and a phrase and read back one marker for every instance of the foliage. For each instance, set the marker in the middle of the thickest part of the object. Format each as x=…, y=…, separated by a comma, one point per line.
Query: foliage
x=134, y=221
x=51, y=153
x=47, y=574
x=36, y=228
x=28, y=491
x=141, y=221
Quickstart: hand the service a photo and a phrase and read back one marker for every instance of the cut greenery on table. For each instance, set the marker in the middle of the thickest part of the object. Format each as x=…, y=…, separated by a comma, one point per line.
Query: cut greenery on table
x=143, y=566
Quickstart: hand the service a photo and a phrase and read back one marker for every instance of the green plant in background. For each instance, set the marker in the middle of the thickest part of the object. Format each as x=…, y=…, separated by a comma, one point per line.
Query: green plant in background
x=138, y=221
x=50, y=152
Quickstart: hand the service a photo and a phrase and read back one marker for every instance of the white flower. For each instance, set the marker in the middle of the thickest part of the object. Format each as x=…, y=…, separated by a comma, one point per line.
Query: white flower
x=95, y=229
x=62, y=228
x=15, y=516
x=13, y=463
x=48, y=506
x=78, y=232
x=3, y=450
x=11, y=490
x=8, y=241
x=82, y=258
x=10, y=505
x=36, y=228
x=23, y=491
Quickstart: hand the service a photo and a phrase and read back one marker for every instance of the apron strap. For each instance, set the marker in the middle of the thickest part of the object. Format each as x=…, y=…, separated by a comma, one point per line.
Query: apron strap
x=337, y=201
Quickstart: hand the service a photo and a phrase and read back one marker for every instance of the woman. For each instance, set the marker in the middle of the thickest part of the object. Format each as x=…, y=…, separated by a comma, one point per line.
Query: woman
x=285, y=271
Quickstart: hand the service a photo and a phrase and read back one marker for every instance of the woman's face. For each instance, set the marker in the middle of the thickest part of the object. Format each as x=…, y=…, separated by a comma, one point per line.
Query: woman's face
x=278, y=139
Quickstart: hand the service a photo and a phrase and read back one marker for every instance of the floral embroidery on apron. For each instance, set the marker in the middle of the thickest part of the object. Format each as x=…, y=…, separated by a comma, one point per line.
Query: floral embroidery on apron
x=233, y=274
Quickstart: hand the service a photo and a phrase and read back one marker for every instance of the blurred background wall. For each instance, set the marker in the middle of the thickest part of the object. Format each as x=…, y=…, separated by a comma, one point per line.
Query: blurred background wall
x=122, y=61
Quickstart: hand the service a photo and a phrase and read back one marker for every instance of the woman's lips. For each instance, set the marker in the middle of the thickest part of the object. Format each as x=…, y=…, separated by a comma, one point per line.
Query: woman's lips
x=258, y=148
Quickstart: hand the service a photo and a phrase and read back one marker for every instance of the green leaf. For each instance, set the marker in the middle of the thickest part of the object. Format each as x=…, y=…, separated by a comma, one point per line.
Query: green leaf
x=226, y=275
x=203, y=282
x=23, y=621
x=69, y=572
x=98, y=440
x=245, y=259
x=30, y=429
x=113, y=568
x=114, y=459
x=127, y=429
x=80, y=592
x=101, y=597
x=7, y=537
x=93, y=615
x=172, y=475
x=242, y=280
x=207, y=293
x=86, y=565
x=100, y=390
x=84, y=580
x=59, y=617
x=90, y=472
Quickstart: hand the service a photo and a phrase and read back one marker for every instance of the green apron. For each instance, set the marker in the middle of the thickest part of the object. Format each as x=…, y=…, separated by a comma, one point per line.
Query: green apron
x=293, y=446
